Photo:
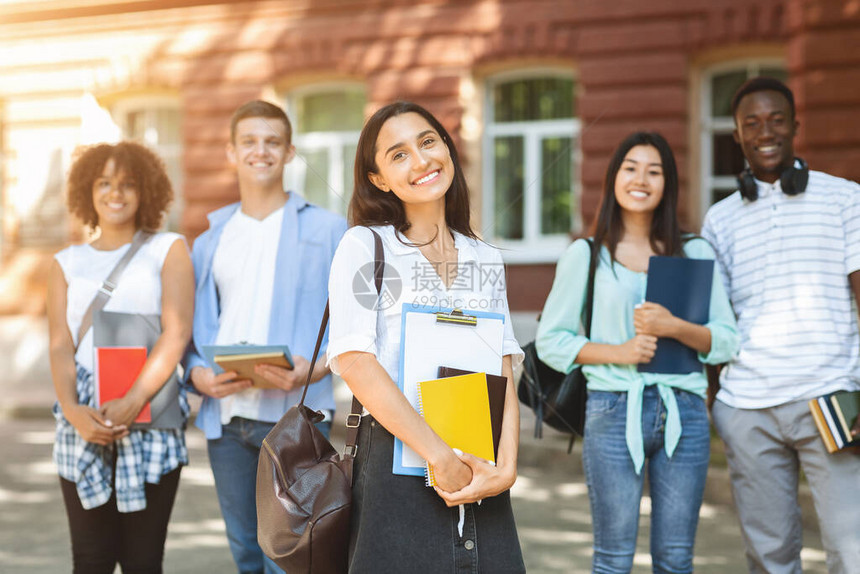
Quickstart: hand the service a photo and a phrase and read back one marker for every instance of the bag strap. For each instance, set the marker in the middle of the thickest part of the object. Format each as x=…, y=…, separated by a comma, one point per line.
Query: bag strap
x=589, y=290
x=587, y=312
x=354, y=417
x=109, y=285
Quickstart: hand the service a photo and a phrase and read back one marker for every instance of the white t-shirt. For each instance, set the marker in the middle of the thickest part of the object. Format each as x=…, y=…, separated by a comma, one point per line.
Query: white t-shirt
x=244, y=272
x=409, y=277
x=138, y=289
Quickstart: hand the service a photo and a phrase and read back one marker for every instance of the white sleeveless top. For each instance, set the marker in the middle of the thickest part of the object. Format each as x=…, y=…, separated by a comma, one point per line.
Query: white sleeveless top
x=138, y=289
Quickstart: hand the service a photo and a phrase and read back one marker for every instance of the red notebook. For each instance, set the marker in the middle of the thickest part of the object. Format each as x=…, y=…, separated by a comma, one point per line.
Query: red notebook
x=116, y=370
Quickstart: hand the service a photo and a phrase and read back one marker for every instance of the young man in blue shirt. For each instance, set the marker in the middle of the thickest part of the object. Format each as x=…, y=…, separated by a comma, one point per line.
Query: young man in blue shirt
x=262, y=278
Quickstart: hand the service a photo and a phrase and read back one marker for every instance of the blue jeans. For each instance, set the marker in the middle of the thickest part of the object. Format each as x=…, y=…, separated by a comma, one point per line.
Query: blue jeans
x=234, y=464
x=614, y=489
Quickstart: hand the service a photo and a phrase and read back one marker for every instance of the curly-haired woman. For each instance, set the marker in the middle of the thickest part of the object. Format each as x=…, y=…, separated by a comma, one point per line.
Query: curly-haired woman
x=118, y=482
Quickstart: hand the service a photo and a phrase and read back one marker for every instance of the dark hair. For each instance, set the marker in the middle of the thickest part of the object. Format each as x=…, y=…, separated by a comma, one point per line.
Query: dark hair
x=139, y=163
x=761, y=84
x=665, y=236
x=260, y=109
x=371, y=206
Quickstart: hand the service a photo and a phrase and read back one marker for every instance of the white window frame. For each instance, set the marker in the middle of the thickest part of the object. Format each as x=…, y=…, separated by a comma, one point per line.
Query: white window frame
x=711, y=126
x=149, y=104
x=534, y=247
x=333, y=142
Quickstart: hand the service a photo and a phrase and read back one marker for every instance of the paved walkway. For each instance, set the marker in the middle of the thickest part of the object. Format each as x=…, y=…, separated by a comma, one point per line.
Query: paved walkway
x=550, y=503
x=550, y=498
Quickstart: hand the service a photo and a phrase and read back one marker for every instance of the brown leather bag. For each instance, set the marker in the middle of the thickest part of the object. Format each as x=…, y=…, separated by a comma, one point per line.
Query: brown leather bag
x=304, y=488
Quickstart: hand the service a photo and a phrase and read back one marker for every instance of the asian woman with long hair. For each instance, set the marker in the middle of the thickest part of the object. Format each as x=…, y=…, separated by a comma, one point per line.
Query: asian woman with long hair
x=634, y=417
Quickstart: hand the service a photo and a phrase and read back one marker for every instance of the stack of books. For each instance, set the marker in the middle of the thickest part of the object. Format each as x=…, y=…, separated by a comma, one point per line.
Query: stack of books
x=835, y=415
x=465, y=409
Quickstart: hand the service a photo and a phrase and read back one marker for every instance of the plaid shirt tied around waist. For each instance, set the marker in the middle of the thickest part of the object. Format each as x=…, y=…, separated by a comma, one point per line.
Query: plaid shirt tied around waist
x=143, y=456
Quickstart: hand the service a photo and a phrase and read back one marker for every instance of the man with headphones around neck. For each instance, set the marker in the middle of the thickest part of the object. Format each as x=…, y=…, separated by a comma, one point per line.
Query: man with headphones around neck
x=788, y=251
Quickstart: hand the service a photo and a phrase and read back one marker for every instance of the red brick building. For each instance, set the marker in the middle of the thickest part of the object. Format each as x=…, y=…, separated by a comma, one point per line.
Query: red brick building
x=537, y=92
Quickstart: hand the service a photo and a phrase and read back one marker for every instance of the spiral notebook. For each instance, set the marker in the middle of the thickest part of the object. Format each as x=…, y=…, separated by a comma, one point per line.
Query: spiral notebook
x=497, y=387
x=458, y=410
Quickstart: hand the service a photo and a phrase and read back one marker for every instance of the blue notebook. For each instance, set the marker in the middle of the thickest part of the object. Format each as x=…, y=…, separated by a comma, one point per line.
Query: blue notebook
x=683, y=286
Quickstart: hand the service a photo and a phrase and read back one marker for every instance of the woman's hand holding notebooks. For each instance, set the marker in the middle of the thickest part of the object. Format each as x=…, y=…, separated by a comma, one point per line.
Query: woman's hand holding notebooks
x=497, y=387
x=683, y=286
x=117, y=368
x=458, y=410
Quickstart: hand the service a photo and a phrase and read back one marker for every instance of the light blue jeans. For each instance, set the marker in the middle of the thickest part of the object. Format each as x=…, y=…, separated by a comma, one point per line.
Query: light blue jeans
x=676, y=484
x=234, y=464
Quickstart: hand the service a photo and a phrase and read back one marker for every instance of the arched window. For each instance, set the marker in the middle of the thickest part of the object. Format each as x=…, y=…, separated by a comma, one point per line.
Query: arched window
x=327, y=121
x=531, y=158
x=722, y=159
x=156, y=122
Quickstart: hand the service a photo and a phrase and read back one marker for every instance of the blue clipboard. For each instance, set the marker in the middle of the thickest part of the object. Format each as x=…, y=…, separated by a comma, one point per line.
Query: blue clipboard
x=431, y=336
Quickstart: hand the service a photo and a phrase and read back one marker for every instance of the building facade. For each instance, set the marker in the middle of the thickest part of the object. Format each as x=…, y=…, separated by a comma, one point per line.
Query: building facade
x=537, y=94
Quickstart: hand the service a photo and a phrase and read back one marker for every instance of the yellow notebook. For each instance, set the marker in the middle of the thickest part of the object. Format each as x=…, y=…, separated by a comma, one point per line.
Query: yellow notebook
x=458, y=410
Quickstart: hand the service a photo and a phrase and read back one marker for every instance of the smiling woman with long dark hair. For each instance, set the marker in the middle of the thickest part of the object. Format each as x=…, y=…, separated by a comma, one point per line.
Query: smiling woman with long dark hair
x=410, y=190
x=634, y=417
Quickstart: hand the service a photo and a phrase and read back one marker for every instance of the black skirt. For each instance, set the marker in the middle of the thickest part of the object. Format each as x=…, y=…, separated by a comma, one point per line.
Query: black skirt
x=399, y=525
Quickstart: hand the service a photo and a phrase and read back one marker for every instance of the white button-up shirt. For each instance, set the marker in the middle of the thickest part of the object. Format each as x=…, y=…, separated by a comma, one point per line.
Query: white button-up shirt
x=409, y=278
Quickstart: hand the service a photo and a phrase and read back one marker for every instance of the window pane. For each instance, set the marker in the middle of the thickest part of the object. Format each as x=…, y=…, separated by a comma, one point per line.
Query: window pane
x=728, y=158
x=778, y=73
x=316, y=176
x=508, y=156
x=160, y=129
x=168, y=127
x=135, y=125
x=556, y=186
x=330, y=111
x=533, y=99
x=723, y=89
x=720, y=194
x=154, y=126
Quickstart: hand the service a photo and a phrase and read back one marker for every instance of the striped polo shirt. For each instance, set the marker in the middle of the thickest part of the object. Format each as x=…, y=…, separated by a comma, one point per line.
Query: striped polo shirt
x=785, y=262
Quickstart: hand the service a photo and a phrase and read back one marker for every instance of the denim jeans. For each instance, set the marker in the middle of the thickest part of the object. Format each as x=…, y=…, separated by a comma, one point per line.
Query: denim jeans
x=676, y=484
x=234, y=464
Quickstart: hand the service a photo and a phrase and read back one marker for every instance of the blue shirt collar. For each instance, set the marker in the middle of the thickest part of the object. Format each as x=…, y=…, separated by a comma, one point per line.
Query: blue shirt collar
x=219, y=216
